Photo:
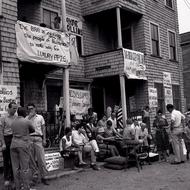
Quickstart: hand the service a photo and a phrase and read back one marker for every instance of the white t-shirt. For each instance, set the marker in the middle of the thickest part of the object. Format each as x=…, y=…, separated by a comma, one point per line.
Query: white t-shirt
x=176, y=117
x=79, y=139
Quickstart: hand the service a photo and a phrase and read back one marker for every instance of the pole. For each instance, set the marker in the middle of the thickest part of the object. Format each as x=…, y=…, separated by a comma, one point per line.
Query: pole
x=123, y=99
x=66, y=107
x=119, y=34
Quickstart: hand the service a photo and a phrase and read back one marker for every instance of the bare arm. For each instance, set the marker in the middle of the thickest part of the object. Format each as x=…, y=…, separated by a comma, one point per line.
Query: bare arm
x=2, y=132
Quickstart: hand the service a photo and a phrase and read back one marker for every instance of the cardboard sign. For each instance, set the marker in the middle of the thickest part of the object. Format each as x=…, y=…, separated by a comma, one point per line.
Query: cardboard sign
x=52, y=161
x=134, y=66
x=167, y=82
x=153, y=97
x=79, y=102
x=168, y=96
x=7, y=94
x=42, y=45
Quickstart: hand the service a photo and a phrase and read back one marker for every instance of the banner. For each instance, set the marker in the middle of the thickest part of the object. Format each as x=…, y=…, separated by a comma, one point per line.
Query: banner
x=153, y=97
x=74, y=25
x=167, y=82
x=168, y=96
x=79, y=102
x=7, y=94
x=42, y=45
x=134, y=66
x=52, y=161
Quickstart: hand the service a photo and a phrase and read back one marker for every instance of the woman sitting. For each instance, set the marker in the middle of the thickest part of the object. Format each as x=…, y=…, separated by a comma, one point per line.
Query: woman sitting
x=67, y=149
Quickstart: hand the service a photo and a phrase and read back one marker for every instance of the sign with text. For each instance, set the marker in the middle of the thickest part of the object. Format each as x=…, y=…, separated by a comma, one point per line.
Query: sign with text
x=167, y=82
x=74, y=25
x=52, y=161
x=42, y=45
x=168, y=96
x=153, y=97
x=7, y=94
x=134, y=65
x=79, y=102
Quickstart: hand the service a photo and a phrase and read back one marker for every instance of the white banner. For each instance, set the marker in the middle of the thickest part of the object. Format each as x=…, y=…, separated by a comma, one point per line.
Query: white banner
x=7, y=94
x=153, y=97
x=52, y=161
x=167, y=82
x=168, y=96
x=134, y=66
x=42, y=45
x=79, y=102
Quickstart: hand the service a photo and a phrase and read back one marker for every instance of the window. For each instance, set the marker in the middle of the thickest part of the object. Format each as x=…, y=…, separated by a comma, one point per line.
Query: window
x=176, y=96
x=155, y=40
x=51, y=19
x=172, y=45
x=169, y=3
x=160, y=93
x=127, y=38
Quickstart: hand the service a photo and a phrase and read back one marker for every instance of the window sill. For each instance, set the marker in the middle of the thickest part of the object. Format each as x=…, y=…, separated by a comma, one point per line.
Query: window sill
x=156, y=56
x=170, y=8
x=174, y=61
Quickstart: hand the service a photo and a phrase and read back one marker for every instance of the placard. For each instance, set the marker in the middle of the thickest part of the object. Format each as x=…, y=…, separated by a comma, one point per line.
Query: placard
x=52, y=161
x=79, y=102
x=153, y=97
x=168, y=96
x=42, y=45
x=8, y=94
x=134, y=65
x=167, y=82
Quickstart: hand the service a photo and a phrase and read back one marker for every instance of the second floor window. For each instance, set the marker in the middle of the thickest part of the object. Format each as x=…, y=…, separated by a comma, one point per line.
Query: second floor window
x=155, y=45
x=172, y=45
x=169, y=3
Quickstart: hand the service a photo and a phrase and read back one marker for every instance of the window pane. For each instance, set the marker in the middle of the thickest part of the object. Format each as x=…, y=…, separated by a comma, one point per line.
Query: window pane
x=176, y=96
x=46, y=18
x=155, y=47
x=169, y=3
x=154, y=32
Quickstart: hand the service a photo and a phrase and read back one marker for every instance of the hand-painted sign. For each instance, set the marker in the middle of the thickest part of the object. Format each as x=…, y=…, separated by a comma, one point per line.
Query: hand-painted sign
x=134, y=66
x=153, y=97
x=7, y=94
x=79, y=102
x=168, y=96
x=52, y=161
x=42, y=45
x=167, y=82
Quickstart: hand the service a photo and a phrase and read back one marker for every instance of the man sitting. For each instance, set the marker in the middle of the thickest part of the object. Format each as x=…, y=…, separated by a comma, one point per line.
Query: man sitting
x=81, y=141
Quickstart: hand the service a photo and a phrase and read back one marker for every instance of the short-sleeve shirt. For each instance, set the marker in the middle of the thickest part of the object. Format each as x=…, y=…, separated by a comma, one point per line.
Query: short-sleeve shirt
x=129, y=133
x=77, y=138
x=37, y=122
x=176, y=117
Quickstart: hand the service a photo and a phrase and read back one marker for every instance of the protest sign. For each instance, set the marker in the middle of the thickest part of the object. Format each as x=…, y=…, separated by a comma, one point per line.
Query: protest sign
x=153, y=97
x=168, y=96
x=134, y=65
x=7, y=94
x=42, y=45
x=79, y=102
x=167, y=82
x=52, y=161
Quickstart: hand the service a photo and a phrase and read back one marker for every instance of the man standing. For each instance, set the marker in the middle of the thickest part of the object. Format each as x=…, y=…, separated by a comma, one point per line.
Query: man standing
x=177, y=128
x=6, y=138
x=38, y=139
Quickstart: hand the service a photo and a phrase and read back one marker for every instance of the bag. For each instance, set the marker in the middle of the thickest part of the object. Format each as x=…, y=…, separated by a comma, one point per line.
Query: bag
x=118, y=160
x=114, y=166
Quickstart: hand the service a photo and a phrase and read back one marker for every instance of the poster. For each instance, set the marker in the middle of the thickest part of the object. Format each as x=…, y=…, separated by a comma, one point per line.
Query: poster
x=167, y=82
x=153, y=97
x=79, y=102
x=42, y=45
x=7, y=94
x=168, y=96
x=52, y=161
x=134, y=65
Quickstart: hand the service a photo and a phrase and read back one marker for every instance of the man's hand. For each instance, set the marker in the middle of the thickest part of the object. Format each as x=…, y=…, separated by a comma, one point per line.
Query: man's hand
x=3, y=146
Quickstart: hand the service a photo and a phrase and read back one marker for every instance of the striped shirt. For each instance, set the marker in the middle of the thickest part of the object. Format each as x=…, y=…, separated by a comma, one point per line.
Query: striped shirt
x=119, y=118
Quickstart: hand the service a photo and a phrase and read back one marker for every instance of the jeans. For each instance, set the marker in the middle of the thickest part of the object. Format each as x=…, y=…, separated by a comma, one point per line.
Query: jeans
x=20, y=157
x=38, y=155
x=7, y=166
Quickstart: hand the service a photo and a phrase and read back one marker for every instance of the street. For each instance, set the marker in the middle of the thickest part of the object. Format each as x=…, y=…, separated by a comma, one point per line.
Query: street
x=158, y=176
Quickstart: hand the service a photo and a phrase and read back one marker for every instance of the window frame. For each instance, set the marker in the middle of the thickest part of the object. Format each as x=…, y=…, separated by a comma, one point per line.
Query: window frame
x=160, y=98
x=168, y=5
x=168, y=35
x=150, y=33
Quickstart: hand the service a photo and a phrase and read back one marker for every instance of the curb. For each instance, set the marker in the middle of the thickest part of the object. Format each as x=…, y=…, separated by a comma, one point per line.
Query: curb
x=63, y=173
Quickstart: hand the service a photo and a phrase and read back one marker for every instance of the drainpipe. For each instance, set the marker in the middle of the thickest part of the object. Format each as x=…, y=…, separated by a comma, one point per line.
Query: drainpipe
x=119, y=34
x=66, y=107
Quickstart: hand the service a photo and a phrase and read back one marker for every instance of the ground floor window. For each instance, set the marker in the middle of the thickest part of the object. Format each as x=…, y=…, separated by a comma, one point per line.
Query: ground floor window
x=160, y=92
x=176, y=96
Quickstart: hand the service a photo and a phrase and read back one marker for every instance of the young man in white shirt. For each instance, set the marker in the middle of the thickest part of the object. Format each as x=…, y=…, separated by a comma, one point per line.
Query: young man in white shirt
x=177, y=128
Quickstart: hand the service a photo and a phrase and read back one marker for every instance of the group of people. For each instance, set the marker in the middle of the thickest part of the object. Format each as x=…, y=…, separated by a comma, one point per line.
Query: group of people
x=23, y=138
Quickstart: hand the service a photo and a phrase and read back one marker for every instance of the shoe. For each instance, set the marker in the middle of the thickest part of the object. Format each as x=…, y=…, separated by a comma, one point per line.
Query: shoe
x=182, y=162
x=175, y=163
x=82, y=163
x=94, y=167
x=6, y=183
x=44, y=181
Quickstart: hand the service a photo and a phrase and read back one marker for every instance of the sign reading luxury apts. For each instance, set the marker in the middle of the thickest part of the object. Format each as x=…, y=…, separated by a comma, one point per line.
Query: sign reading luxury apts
x=134, y=66
x=42, y=45
x=7, y=94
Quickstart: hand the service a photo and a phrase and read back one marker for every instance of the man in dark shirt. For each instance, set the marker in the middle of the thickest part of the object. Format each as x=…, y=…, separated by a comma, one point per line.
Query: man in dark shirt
x=20, y=153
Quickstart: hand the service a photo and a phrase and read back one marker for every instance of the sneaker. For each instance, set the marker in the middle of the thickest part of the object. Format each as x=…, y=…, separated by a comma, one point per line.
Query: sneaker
x=95, y=167
x=6, y=183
